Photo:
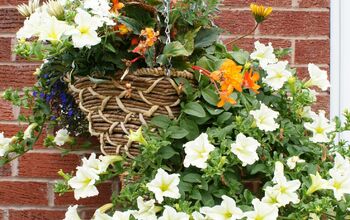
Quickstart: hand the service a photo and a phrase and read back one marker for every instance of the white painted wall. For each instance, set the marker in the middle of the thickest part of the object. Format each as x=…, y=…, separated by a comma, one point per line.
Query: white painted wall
x=340, y=58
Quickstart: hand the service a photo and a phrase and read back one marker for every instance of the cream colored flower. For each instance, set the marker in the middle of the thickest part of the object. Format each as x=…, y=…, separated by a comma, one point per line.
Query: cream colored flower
x=28, y=9
x=245, y=149
x=197, y=151
x=341, y=165
x=265, y=118
x=320, y=127
x=100, y=8
x=285, y=190
x=5, y=144
x=340, y=184
x=122, y=215
x=54, y=8
x=72, y=213
x=33, y=25
x=198, y=216
x=171, y=214
x=62, y=137
x=99, y=215
x=277, y=75
x=227, y=210
x=28, y=133
x=262, y=211
x=165, y=185
x=317, y=183
x=147, y=210
x=85, y=34
x=271, y=196
x=318, y=77
x=292, y=162
x=137, y=136
x=264, y=54
x=52, y=30
x=83, y=183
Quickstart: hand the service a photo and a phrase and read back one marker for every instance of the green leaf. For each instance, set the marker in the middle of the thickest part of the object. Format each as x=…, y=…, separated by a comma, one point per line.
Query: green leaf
x=206, y=37
x=176, y=132
x=188, y=40
x=167, y=152
x=256, y=168
x=192, y=178
x=240, y=56
x=214, y=111
x=191, y=127
x=194, y=109
x=195, y=194
x=161, y=121
x=224, y=117
x=210, y=96
x=175, y=49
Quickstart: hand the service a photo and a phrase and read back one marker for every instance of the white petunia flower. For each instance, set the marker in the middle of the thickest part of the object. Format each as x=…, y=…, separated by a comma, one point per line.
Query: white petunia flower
x=245, y=149
x=33, y=25
x=317, y=183
x=102, y=9
x=277, y=75
x=93, y=164
x=197, y=151
x=107, y=160
x=262, y=211
x=98, y=215
x=307, y=112
x=320, y=127
x=318, y=77
x=198, y=216
x=264, y=54
x=171, y=214
x=84, y=183
x=285, y=190
x=165, y=185
x=85, y=35
x=341, y=165
x=265, y=118
x=292, y=162
x=147, y=210
x=271, y=196
x=72, y=213
x=122, y=215
x=227, y=210
x=53, y=29
x=5, y=144
x=28, y=133
x=62, y=137
x=340, y=184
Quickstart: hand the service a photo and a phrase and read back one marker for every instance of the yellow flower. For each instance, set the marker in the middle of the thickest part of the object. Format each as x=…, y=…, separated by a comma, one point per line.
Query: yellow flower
x=123, y=29
x=317, y=183
x=260, y=12
x=136, y=136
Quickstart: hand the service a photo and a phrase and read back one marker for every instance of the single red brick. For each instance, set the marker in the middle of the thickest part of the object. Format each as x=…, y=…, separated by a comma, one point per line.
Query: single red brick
x=246, y=3
x=23, y=193
x=5, y=170
x=105, y=193
x=17, y=76
x=312, y=51
x=12, y=2
x=235, y=22
x=10, y=20
x=6, y=110
x=323, y=103
x=36, y=214
x=46, y=165
x=314, y=3
x=5, y=49
x=296, y=23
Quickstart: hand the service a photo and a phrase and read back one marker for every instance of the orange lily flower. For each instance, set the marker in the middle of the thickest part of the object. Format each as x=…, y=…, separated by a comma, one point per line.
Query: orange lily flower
x=225, y=98
x=250, y=80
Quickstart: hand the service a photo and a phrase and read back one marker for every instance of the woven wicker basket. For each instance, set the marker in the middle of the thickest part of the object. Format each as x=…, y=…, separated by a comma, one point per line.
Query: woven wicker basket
x=113, y=107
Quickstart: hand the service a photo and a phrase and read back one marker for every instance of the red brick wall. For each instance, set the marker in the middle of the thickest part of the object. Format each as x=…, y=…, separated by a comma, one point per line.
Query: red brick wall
x=26, y=185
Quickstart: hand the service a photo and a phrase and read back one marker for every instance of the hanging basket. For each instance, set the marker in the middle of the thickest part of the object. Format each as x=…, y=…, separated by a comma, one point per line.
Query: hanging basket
x=113, y=107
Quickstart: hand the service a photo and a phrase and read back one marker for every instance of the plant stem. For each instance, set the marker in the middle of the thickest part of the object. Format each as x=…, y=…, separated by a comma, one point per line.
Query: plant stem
x=243, y=36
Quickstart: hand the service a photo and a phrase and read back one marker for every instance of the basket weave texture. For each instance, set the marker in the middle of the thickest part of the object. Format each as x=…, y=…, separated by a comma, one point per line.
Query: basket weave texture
x=113, y=107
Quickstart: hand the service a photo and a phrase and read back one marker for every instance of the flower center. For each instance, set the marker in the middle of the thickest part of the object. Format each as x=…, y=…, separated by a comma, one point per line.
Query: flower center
x=84, y=30
x=319, y=130
x=164, y=187
x=228, y=215
x=337, y=185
